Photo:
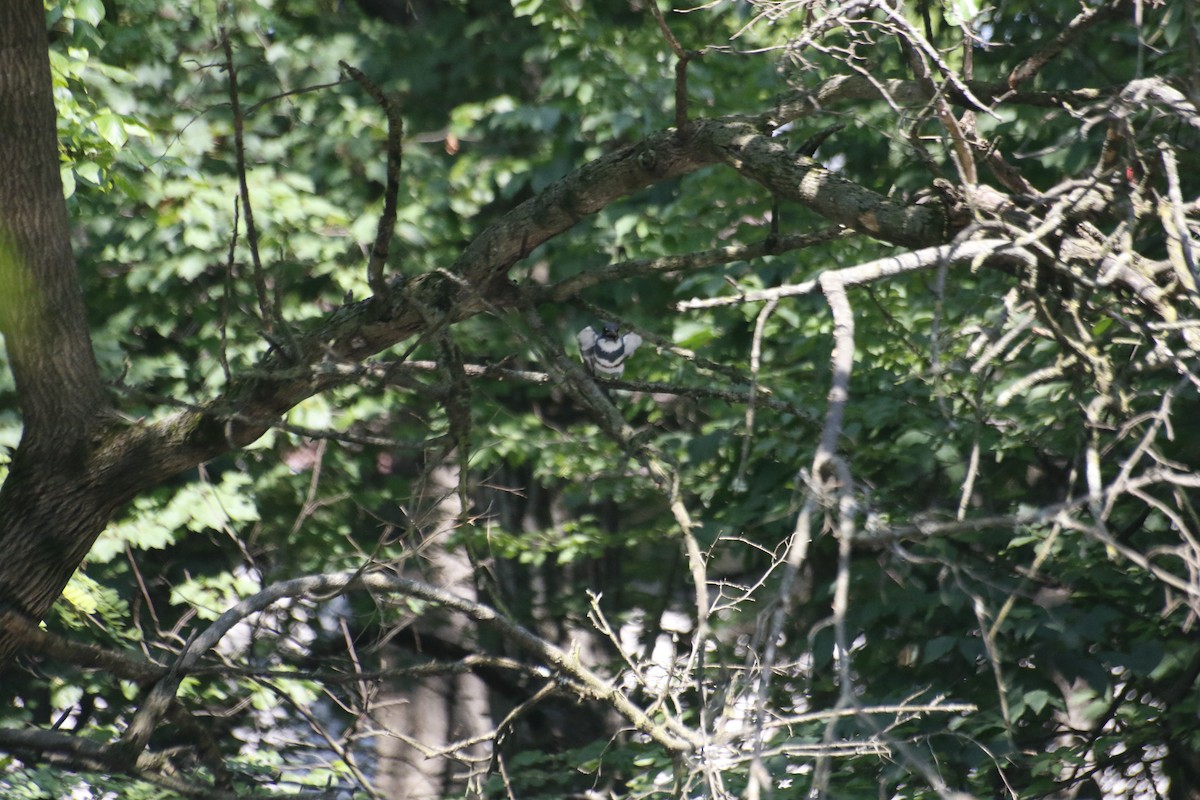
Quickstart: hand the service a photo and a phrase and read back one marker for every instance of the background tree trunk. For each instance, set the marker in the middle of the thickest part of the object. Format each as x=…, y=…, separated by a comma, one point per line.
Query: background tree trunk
x=440, y=710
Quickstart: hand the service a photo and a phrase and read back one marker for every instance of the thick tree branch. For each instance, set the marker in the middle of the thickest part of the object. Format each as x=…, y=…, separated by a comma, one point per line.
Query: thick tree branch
x=86, y=755
x=358, y=330
x=35, y=641
x=573, y=285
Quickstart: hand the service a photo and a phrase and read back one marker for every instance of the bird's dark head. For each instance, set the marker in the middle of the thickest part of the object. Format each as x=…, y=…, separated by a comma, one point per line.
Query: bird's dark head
x=609, y=331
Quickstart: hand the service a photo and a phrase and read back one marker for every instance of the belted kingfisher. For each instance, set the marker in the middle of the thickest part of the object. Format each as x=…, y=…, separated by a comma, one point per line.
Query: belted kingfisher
x=605, y=354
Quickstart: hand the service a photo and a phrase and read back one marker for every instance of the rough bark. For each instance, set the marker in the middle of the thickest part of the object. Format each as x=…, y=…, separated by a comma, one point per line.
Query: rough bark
x=50, y=504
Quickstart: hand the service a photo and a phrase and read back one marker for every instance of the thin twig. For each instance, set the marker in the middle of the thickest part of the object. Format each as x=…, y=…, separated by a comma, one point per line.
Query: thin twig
x=760, y=326
x=395, y=155
x=1077, y=26
x=265, y=310
x=681, y=64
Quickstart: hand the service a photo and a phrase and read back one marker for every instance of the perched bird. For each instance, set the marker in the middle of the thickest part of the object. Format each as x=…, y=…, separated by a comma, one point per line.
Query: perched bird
x=605, y=354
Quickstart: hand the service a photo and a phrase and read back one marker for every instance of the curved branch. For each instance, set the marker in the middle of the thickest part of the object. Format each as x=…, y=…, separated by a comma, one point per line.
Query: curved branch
x=876, y=270
x=669, y=734
x=1077, y=26
x=851, y=88
x=573, y=285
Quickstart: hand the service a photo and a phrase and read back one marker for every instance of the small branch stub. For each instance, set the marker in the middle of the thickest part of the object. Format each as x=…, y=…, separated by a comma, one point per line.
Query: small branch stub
x=681, y=64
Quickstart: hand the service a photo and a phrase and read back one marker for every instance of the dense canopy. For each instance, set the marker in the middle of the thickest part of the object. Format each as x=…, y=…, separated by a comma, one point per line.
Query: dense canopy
x=307, y=492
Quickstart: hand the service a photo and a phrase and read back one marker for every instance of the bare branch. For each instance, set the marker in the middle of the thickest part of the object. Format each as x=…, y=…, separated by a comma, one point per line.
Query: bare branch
x=265, y=309
x=570, y=286
x=681, y=64
x=1180, y=247
x=395, y=154
x=974, y=251
x=669, y=734
x=1071, y=33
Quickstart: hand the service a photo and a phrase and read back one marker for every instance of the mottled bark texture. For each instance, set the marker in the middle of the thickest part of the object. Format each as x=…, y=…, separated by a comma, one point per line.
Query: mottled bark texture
x=440, y=710
x=51, y=508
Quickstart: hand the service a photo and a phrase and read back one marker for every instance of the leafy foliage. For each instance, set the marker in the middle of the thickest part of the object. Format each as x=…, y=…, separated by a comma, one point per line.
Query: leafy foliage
x=989, y=606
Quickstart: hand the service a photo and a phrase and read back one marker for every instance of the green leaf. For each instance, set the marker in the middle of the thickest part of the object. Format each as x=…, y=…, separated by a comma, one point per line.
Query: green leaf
x=111, y=127
x=693, y=334
x=67, y=173
x=936, y=648
x=88, y=171
x=1036, y=700
x=90, y=11
x=80, y=593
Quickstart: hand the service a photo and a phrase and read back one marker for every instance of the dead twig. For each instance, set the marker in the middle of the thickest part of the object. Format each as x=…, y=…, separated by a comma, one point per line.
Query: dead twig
x=385, y=230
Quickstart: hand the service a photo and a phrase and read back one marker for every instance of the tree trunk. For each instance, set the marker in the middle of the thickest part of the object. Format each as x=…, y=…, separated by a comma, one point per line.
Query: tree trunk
x=441, y=710
x=51, y=510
